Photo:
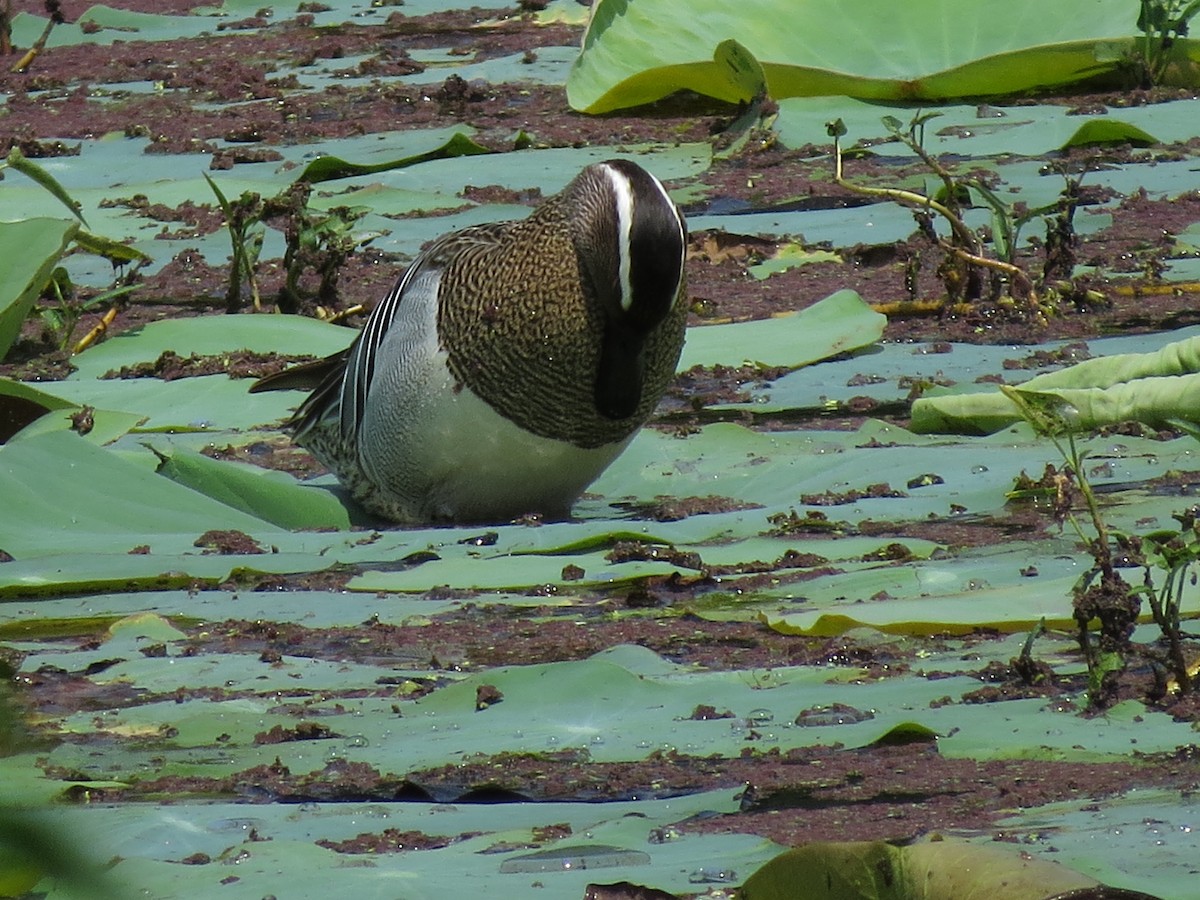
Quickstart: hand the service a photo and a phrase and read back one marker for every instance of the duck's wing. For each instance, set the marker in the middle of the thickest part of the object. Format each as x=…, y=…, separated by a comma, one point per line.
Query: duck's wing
x=346, y=377
x=302, y=376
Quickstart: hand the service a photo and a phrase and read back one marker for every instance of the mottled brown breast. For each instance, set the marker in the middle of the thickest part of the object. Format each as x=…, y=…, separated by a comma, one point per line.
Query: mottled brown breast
x=522, y=332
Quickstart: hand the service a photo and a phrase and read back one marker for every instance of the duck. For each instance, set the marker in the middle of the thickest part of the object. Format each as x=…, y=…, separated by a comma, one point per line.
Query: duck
x=511, y=363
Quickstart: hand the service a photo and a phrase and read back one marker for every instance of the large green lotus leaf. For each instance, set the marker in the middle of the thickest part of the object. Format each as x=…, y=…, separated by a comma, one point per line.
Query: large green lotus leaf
x=209, y=404
x=30, y=248
x=1140, y=841
x=955, y=870
x=848, y=548
x=1035, y=729
x=889, y=370
x=314, y=609
x=508, y=573
x=272, y=496
x=118, y=25
x=21, y=390
x=54, y=571
x=1009, y=608
x=164, y=179
x=549, y=65
x=778, y=469
x=966, y=129
x=330, y=168
x=202, y=404
x=549, y=169
x=511, y=566
x=31, y=849
x=1156, y=388
x=22, y=405
x=195, y=721
x=106, y=425
x=877, y=223
x=1176, y=358
x=839, y=323
x=930, y=870
x=209, y=336
x=608, y=710
x=1098, y=132
x=846, y=871
x=637, y=52
x=149, y=845
x=125, y=25
x=61, y=492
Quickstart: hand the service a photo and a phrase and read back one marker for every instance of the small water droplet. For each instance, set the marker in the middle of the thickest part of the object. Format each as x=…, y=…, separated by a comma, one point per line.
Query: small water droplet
x=760, y=716
x=832, y=714
x=356, y=740
x=712, y=875
x=234, y=825
x=664, y=835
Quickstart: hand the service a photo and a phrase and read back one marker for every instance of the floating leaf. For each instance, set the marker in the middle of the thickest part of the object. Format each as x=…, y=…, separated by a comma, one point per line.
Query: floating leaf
x=638, y=52
x=114, y=251
x=272, y=496
x=30, y=248
x=21, y=404
x=746, y=76
x=1158, y=388
x=59, y=484
x=789, y=256
x=1109, y=131
x=17, y=160
x=933, y=870
x=328, y=168
x=836, y=324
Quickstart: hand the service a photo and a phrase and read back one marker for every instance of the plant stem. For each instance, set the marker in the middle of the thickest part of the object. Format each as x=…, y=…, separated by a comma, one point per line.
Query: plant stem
x=970, y=250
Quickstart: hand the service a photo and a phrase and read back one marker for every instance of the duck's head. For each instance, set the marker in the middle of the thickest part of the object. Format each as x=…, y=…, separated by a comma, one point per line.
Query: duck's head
x=631, y=241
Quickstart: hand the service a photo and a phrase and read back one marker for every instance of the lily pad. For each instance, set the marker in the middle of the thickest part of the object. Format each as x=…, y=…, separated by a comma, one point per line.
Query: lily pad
x=31, y=249
x=635, y=53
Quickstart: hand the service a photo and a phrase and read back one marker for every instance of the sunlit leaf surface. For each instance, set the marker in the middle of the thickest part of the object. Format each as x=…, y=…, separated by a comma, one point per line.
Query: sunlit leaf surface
x=637, y=52
x=132, y=544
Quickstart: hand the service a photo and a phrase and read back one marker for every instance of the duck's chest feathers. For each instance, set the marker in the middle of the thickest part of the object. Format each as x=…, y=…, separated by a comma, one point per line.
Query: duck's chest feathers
x=440, y=451
x=521, y=330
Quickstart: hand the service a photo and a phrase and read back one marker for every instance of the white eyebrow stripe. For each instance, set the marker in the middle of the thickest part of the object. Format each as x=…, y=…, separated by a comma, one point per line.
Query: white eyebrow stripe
x=623, y=194
x=682, y=228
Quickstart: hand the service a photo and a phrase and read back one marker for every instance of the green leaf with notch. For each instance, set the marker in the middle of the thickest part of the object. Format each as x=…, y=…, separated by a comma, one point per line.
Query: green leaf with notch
x=329, y=168
x=31, y=249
